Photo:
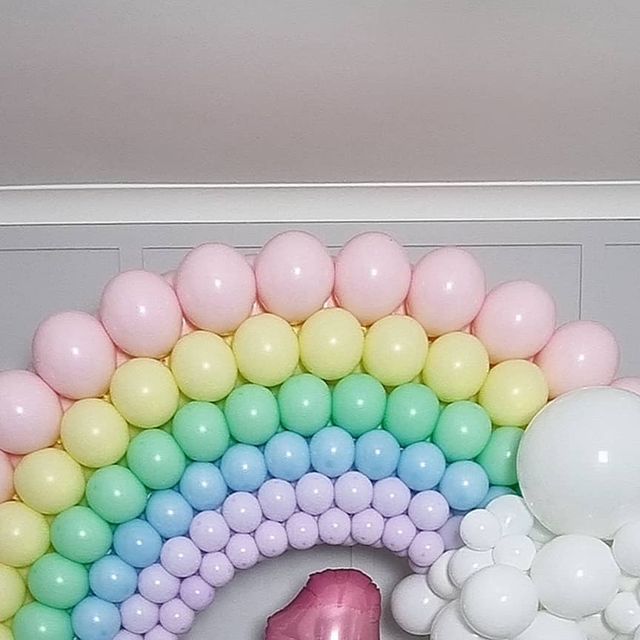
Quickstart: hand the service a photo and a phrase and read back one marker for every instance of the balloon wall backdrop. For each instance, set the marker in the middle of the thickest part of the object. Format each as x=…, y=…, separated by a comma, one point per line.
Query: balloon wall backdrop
x=205, y=420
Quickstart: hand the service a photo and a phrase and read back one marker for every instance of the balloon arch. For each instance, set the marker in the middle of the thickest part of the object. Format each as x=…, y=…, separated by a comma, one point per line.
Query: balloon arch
x=222, y=414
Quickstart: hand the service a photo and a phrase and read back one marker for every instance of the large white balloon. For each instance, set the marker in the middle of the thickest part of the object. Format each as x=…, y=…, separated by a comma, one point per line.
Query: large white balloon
x=549, y=627
x=414, y=605
x=578, y=462
x=450, y=625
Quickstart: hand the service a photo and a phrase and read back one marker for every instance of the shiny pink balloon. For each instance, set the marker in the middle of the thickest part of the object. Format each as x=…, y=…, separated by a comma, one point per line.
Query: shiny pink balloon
x=74, y=355
x=373, y=275
x=30, y=413
x=447, y=290
x=579, y=354
x=141, y=313
x=336, y=604
x=516, y=320
x=6, y=478
x=629, y=384
x=216, y=287
x=294, y=275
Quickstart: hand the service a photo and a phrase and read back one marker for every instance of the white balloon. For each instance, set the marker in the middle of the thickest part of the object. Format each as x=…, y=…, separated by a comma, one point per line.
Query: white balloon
x=438, y=577
x=636, y=635
x=450, y=625
x=513, y=514
x=578, y=462
x=595, y=627
x=626, y=548
x=480, y=530
x=549, y=627
x=575, y=576
x=499, y=602
x=623, y=613
x=414, y=605
x=465, y=562
x=517, y=551
x=627, y=582
x=539, y=533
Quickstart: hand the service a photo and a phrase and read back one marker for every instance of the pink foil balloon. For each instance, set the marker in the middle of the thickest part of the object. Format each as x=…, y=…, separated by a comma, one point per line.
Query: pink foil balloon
x=629, y=384
x=216, y=287
x=336, y=604
x=447, y=290
x=294, y=275
x=373, y=275
x=141, y=313
x=579, y=354
x=516, y=320
x=6, y=478
x=30, y=413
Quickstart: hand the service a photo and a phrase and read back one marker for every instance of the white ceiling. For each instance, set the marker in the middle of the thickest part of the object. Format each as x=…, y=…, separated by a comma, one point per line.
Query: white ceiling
x=206, y=91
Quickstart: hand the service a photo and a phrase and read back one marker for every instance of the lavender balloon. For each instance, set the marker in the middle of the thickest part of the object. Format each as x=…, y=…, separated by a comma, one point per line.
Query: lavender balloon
x=391, y=497
x=176, y=617
x=426, y=548
x=196, y=593
x=277, y=499
x=353, y=492
x=367, y=527
x=314, y=493
x=271, y=539
x=242, y=512
x=160, y=633
x=216, y=569
x=156, y=584
x=139, y=615
x=398, y=533
x=302, y=530
x=242, y=551
x=428, y=510
x=209, y=531
x=334, y=526
x=123, y=634
x=180, y=557
x=450, y=533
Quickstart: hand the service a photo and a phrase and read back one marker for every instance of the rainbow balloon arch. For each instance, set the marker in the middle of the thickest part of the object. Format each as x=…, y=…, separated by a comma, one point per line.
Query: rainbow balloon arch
x=221, y=414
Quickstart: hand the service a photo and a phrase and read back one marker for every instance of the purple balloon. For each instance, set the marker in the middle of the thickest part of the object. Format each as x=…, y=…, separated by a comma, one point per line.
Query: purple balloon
x=277, y=499
x=196, y=593
x=176, y=617
x=160, y=633
x=138, y=614
x=242, y=551
x=353, y=492
x=391, y=497
x=156, y=584
x=210, y=532
x=426, y=548
x=302, y=530
x=123, y=634
x=428, y=510
x=398, y=533
x=216, y=569
x=334, y=526
x=180, y=557
x=367, y=527
x=450, y=533
x=314, y=493
x=271, y=539
x=242, y=512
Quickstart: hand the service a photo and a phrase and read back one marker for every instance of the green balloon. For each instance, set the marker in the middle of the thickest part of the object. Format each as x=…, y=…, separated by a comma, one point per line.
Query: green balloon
x=58, y=582
x=201, y=431
x=358, y=403
x=36, y=621
x=498, y=458
x=81, y=535
x=463, y=430
x=412, y=413
x=156, y=459
x=252, y=414
x=115, y=494
x=305, y=404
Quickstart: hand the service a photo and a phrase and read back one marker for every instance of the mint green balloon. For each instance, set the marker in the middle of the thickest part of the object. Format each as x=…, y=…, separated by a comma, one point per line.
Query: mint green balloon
x=156, y=459
x=498, y=458
x=115, y=494
x=463, y=430
x=358, y=403
x=81, y=535
x=412, y=413
x=57, y=582
x=252, y=414
x=305, y=404
x=201, y=431
x=36, y=621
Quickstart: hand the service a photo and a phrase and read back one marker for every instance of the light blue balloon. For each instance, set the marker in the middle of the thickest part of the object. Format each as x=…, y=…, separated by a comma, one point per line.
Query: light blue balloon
x=169, y=513
x=494, y=492
x=421, y=466
x=464, y=485
x=137, y=543
x=112, y=579
x=332, y=451
x=287, y=456
x=203, y=486
x=243, y=467
x=377, y=454
x=95, y=619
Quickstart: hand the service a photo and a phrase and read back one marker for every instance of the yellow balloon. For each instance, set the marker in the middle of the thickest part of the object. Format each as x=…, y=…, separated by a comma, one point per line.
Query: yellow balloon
x=203, y=366
x=12, y=592
x=94, y=433
x=49, y=481
x=395, y=348
x=514, y=391
x=266, y=349
x=144, y=392
x=456, y=367
x=24, y=534
x=331, y=343
x=5, y=633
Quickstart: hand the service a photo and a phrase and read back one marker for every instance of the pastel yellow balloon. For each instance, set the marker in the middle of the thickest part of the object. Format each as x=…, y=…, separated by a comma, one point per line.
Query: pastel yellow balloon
x=5, y=633
x=514, y=391
x=49, y=481
x=331, y=343
x=24, y=534
x=266, y=349
x=12, y=592
x=94, y=433
x=456, y=367
x=203, y=366
x=395, y=348
x=144, y=392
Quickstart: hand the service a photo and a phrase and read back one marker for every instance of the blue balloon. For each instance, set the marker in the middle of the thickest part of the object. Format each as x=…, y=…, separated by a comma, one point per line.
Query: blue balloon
x=95, y=619
x=494, y=492
x=464, y=485
x=112, y=579
x=137, y=543
x=421, y=466
x=377, y=454
x=287, y=456
x=169, y=513
x=332, y=451
x=203, y=486
x=243, y=467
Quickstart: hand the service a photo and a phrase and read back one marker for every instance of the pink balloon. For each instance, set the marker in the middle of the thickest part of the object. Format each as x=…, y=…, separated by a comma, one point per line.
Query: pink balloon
x=447, y=290
x=294, y=275
x=629, y=384
x=516, y=320
x=30, y=413
x=216, y=287
x=373, y=275
x=579, y=354
x=169, y=277
x=74, y=355
x=141, y=313
x=6, y=478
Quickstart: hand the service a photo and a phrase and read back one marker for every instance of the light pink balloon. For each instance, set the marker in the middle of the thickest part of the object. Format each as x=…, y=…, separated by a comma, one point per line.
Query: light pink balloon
x=373, y=275
x=6, y=478
x=629, y=384
x=294, y=275
x=30, y=413
x=169, y=277
x=579, y=354
x=141, y=313
x=74, y=355
x=447, y=290
x=216, y=287
x=516, y=320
